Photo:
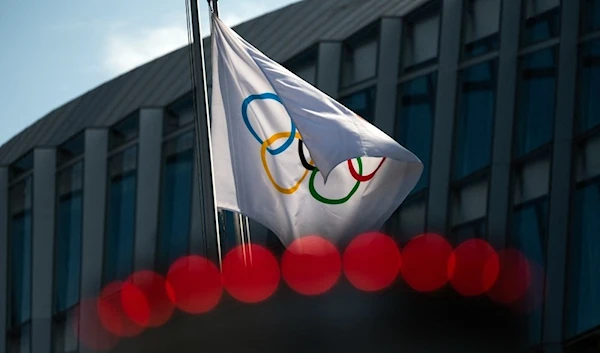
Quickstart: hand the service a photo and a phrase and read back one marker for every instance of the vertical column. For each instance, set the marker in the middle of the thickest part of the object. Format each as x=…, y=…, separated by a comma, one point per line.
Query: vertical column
x=3, y=255
x=450, y=39
x=504, y=121
x=94, y=208
x=328, y=67
x=148, y=195
x=560, y=186
x=387, y=74
x=44, y=184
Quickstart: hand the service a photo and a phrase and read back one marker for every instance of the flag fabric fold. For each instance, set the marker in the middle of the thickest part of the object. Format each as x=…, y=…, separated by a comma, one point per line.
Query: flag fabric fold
x=293, y=159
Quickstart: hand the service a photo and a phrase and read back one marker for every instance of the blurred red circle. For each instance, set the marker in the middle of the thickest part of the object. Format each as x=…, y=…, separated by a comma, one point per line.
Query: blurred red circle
x=250, y=273
x=88, y=328
x=533, y=299
x=514, y=277
x=473, y=267
x=311, y=265
x=372, y=261
x=424, y=262
x=145, y=299
x=111, y=312
x=194, y=284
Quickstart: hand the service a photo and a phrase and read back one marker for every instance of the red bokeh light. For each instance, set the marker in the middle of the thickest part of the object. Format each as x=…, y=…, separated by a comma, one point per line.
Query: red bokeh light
x=250, y=273
x=111, y=312
x=425, y=261
x=372, y=261
x=311, y=265
x=514, y=277
x=533, y=299
x=88, y=328
x=194, y=284
x=145, y=299
x=473, y=267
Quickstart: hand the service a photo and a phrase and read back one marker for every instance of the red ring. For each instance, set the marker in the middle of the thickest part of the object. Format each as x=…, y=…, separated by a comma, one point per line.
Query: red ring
x=363, y=178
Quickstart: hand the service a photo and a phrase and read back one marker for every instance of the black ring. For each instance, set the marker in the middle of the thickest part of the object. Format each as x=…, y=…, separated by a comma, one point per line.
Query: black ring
x=305, y=164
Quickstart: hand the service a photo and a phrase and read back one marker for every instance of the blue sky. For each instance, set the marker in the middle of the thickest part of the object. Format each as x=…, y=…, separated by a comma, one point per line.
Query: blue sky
x=54, y=51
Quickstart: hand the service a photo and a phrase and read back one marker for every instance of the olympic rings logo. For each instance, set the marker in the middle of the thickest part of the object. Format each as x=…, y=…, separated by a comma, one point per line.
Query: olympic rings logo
x=308, y=165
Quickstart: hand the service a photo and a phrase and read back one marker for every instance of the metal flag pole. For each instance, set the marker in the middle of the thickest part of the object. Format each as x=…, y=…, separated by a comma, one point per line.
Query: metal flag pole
x=215, y=6
x=203, y=140
x=243, y=223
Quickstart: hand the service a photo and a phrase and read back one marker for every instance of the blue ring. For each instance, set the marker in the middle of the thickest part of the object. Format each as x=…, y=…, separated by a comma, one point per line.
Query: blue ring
x=275, y=97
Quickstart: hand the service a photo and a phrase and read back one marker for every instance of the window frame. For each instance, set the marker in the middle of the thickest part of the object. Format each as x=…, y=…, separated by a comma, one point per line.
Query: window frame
x=536, y=152
x=454, y=193
x=476, y=174
x=434, y=75
x=58, y=315
x=362, y=90
x=466, y=225
x=425, y=11
x=360, y=36
x=466, y=13
x=582, y=23
x=307, y=55
x=513, y=208
x=594, y=332
x=578, y=133
x=523, y=24
x=15, y=331
x=172, y=136
x=112, y=153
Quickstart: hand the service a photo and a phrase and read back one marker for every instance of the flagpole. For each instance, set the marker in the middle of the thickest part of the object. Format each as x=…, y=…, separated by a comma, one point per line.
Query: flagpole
x=203, y=141
x=243, y=226
x=215, y=6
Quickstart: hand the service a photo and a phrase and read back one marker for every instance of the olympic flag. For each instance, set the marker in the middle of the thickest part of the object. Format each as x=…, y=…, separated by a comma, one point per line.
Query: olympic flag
x=292, y=158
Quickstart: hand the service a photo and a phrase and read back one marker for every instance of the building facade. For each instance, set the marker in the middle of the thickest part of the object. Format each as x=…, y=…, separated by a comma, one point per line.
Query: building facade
x=500, y=99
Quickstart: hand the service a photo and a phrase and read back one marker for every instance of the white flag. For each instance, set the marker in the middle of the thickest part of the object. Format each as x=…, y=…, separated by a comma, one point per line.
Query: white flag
x=275, y=137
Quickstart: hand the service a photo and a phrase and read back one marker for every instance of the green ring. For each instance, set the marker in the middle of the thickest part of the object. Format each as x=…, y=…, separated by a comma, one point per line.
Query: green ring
x=315, y=194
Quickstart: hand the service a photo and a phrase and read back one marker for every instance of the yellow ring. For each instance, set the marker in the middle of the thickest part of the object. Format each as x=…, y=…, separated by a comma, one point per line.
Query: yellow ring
x=263, y=157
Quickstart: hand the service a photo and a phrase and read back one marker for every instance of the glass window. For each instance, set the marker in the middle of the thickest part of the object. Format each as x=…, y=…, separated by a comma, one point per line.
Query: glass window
x=179, y=114
x=590, y=18
x=307, y=72
x=481, y=27
x=359, y=57
x=475, y=121
x=416, y=111
x=583, y=290
x=529, y=235
x=20, y=343
x=472, y=230
x=305, y=66
x=541, y=21
x=70, y=149
x=68, y=237
x=124, y=131
x=20, y=243
x=120, y=226
x=362, y=103
x=420, y=45
x=589, y=85
x=64, y=337
x=21, y=166
x=176, y=199
x=536, y=101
